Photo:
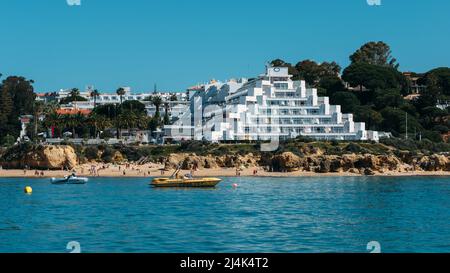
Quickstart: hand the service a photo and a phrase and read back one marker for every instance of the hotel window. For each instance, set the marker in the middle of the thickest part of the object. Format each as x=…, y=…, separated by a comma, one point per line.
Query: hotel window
x=282, y=86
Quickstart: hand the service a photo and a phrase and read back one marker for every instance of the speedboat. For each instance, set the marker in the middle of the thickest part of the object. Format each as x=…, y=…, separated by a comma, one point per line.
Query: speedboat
x=71, y=180
x=205, y=182
x=185, y=182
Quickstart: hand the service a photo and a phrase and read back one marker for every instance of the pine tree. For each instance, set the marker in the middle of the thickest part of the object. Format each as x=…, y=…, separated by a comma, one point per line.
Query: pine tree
x=6, y=106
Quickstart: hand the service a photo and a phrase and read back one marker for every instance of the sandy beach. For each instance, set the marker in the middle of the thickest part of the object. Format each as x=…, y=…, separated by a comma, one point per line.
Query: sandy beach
x=155, y=170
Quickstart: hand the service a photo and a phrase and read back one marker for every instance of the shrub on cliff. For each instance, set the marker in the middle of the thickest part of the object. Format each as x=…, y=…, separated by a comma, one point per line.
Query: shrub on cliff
x=425, y=145
x=91, y=153
x=354, y=148
x=108, y=155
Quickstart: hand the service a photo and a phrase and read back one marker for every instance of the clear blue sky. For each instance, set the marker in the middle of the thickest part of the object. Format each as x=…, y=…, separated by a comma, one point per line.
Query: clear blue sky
x=178, y=43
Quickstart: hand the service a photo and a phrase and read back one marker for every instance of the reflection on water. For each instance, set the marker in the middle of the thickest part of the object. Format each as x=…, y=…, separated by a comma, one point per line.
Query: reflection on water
x=330, y=214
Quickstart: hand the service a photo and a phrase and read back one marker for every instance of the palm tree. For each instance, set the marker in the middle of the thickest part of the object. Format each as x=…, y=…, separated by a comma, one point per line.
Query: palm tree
x=54, y=121
x=80, y=119
x=38, y=109
x=121, y=92
x=74, y=94
x=142, y=121
x=69, y=122
x=124, y=120
x=157, y=101
x=99, y=122
x=166, y=113
x=73, y=121
x=128, y=120
x=51, y=107
x=95, y=94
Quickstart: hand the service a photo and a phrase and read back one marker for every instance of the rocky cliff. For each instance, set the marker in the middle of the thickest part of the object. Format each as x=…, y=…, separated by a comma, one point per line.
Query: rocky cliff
x=304, y=158
x=39, y=157
x=365, y=164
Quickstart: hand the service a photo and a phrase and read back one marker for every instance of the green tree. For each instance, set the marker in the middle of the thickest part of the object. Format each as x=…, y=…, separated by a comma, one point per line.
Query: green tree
x=98, y=122
x=16, y=98
x=95, y=94
x=439, y=80
x=432, y=116
x=347, y=100
x=331, y=85
x=74, y=96
x=22, y=93
x=153, y=124
x=54, y=121
x=375, y=53
x=157, y=102
x=126, y=120
x=430, y=96
x=38, y=111
x=330, y=69
x=309, y=71
x=388, y=98
x=110, y=111
x=133, y=106
x=6, y=106
x=372, y=118
x=121, y=92
x=374, y=77
x=173, y=97
x=8, y=140
x=166, y=114
x=394, y=120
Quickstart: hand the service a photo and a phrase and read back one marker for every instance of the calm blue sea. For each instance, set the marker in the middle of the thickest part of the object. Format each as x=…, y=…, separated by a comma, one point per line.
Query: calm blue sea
x=332, y=214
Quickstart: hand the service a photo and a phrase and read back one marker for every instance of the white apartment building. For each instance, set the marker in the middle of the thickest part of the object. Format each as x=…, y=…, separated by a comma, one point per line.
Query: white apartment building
x=272, y=106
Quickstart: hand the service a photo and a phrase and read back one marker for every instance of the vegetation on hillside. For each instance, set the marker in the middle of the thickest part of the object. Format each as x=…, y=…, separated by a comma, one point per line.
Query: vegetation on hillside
x=379, y=90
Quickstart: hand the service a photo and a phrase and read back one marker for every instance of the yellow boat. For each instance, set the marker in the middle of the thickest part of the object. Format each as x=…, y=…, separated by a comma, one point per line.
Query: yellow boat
x=185, y=182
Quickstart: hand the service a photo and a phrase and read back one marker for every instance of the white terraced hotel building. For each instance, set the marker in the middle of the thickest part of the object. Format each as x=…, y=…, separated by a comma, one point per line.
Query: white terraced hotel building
x=270, y=106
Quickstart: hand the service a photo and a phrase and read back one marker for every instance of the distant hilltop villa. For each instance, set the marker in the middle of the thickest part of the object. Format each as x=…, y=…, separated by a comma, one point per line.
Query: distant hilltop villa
x=261, y=109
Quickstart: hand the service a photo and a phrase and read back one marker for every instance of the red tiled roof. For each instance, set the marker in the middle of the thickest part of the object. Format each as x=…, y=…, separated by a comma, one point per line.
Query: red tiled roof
x=74, y=111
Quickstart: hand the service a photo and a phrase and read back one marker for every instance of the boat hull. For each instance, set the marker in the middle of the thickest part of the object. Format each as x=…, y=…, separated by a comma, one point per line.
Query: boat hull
x=77, y=181
x=185, y=183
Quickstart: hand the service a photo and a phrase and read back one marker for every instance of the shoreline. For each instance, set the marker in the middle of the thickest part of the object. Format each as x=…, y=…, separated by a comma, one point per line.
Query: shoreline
x=154, y=170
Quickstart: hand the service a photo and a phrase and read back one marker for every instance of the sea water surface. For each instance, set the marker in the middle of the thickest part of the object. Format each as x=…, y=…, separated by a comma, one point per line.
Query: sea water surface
x=286, y=215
